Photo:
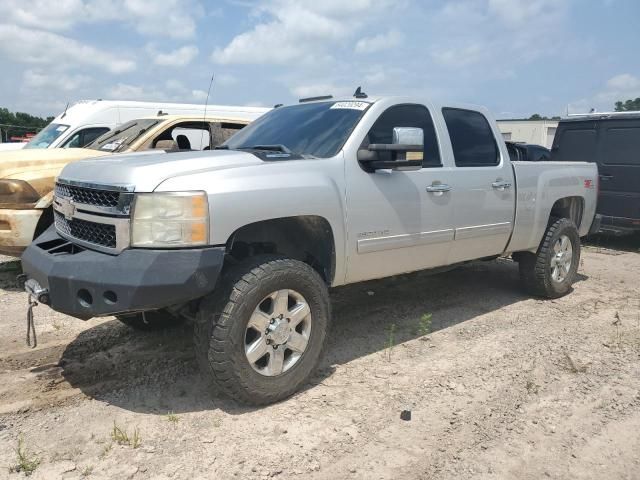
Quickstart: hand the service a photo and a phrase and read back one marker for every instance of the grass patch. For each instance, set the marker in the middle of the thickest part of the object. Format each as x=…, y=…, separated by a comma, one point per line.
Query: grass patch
x=391, y=340
x=121, y=437
x=86, y=471
x=424, y=324
x=172, y=418
x=26, y=462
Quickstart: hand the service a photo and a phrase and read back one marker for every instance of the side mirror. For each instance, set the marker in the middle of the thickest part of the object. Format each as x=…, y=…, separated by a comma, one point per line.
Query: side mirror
x=404, y=153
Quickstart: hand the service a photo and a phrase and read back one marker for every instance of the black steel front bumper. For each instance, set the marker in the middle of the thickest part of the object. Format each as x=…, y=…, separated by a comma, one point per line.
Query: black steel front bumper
x=85, y=283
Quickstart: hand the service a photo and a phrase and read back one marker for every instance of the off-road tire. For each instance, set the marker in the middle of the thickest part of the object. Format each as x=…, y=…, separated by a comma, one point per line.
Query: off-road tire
x=535, y=268
x=222, y=318
x=152, y=321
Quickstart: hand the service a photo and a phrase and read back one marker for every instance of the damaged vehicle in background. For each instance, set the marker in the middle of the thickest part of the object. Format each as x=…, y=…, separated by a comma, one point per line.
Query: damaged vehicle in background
x=27, y=176
x=246, y=240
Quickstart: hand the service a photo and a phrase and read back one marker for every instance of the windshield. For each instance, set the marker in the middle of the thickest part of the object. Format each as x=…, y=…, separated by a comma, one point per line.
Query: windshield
x=313, y=129
x=121, y=137
x=47, y=135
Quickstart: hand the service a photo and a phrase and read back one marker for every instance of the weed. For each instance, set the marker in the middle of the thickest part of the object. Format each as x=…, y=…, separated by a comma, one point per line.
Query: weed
x=136, y=441
x=26, y=462
x=391, y=341
x=172, y=418
x=424, y=324
x=531, y=386
x=572, y=366
x=88, y=470
x=121, y=437
x=616, y=323
x=106, y=449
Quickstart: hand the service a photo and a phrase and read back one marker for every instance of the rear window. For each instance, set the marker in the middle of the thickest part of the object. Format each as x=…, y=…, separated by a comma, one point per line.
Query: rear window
x=621, y=146
x=575, y=145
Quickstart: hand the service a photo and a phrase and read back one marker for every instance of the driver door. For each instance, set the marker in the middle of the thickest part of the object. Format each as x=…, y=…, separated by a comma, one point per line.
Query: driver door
x=395, y=224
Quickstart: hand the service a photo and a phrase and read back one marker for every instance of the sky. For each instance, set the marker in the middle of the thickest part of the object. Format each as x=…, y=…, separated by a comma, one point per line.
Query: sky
x=517, y=57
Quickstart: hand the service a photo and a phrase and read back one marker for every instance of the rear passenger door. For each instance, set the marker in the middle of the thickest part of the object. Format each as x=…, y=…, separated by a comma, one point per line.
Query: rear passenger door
x=619, y=165
x=483, y=189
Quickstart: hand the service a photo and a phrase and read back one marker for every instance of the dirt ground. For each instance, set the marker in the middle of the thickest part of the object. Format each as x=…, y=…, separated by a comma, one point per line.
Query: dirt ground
x=502, y=386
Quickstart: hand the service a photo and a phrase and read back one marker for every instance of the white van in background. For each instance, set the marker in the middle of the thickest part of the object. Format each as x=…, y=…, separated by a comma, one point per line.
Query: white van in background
x=86, y=120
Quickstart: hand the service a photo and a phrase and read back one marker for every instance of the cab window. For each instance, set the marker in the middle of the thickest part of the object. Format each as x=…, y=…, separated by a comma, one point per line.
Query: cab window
x=416, y=116
x=193, y=135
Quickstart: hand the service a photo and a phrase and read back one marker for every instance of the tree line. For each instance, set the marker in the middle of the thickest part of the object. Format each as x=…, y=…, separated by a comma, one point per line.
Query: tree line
x=19, y=123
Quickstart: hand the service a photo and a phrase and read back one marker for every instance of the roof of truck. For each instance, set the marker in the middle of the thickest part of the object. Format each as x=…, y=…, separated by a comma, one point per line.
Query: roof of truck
x=82, y=109
x=583, y=117
x=195, y=117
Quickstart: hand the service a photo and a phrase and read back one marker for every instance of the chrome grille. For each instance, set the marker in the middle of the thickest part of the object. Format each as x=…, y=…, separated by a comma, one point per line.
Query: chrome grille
x=88, y=196
x=96, y=233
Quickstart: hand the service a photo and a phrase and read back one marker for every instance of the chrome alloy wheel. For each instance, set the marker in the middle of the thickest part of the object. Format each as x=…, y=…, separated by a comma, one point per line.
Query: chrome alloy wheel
x=278, y=332
x=561, y=259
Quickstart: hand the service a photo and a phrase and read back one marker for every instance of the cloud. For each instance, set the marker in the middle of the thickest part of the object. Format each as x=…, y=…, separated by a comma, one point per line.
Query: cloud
x=37, y=79
x=45, y=48
x=298, y=31
x=377, y=43
x=173, y=18
x=177, y=58
x=618, y=88
x=317, y=89
x=469, y=28
x=624, y=82
x=516, y=13
x=199, y=95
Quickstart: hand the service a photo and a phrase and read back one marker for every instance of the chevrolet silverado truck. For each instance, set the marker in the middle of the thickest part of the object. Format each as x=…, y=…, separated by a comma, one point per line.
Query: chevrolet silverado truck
x=27, y=176
x=246, y=240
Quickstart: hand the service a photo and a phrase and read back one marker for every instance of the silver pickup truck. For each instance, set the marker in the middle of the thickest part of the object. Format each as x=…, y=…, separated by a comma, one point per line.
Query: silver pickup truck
x=247, y=239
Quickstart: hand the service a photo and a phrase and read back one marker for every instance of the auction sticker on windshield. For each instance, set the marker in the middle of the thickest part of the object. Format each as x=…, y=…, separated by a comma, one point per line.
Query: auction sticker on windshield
x=351, y=105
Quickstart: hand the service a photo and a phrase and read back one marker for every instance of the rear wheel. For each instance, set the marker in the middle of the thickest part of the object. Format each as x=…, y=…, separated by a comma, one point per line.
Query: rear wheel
x=551, y=271
x=262, y=338
x=150, y=321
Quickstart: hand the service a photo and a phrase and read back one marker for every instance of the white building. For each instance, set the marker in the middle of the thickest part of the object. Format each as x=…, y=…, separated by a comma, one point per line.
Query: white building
x=537, y=132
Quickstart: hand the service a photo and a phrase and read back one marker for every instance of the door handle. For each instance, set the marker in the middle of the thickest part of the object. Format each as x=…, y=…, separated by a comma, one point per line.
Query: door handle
x=438, y=188
x=501, y=185
x=605, y=177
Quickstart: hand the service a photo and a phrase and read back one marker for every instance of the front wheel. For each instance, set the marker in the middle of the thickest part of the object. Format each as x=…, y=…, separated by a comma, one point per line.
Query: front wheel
x=551, y=271
x=261, y=336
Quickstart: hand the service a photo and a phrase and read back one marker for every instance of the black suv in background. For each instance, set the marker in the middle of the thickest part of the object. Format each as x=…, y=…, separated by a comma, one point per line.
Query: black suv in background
x=612, y=140
x=527, y=152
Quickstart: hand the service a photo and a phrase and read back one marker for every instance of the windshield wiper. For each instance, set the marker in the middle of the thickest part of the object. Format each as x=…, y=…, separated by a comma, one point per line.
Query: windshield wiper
x=221, y=147
x=277, y=147
x=128, y=140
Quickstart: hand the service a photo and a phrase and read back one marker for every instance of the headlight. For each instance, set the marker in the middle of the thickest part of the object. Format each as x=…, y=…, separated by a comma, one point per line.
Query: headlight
x=17, y=191
x=166, y=220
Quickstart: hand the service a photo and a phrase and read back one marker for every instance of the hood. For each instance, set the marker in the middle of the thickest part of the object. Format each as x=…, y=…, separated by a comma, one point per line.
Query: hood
x=5, y=147
x=147, y=170
x=40, y=166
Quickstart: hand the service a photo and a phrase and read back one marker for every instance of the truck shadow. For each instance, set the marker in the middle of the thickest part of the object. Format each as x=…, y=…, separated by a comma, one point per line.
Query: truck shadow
x=157, y=372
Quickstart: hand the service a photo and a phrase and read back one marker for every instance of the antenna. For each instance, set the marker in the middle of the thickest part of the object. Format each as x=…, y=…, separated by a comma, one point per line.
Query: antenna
x=204, y=118
x=65, y=110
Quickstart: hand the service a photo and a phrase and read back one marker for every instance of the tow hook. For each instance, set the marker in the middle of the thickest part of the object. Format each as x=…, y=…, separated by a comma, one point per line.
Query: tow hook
x=35, y=293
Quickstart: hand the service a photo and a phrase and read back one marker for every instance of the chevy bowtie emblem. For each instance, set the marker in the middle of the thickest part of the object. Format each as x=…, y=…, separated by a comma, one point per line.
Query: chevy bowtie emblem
x=65, y=206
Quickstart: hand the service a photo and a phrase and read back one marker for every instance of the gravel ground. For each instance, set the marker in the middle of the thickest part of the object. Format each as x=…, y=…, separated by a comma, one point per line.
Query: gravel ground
x=499, y=385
